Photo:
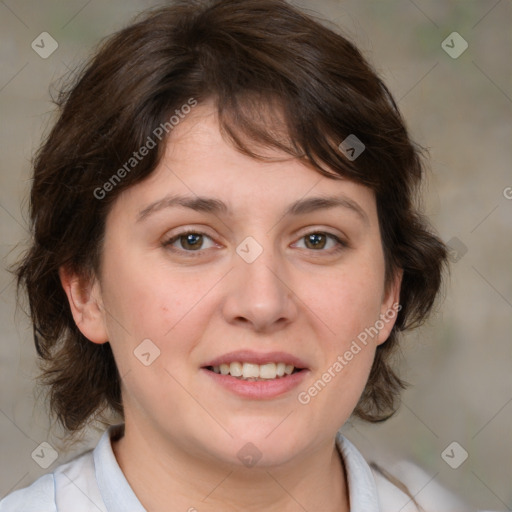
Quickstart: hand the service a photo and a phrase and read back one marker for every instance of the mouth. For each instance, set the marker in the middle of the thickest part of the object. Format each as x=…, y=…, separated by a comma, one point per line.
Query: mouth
x=253, y=372
x=257, y=376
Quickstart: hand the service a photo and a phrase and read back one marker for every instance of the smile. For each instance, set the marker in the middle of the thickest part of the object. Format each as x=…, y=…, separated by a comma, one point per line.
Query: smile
x=254, y=372
x=256, y=375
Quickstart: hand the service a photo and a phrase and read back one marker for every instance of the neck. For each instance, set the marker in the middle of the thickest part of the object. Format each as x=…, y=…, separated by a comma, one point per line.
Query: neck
x=170, y=479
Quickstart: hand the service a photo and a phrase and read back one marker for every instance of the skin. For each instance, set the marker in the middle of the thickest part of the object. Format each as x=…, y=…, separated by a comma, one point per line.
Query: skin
x=182, y=430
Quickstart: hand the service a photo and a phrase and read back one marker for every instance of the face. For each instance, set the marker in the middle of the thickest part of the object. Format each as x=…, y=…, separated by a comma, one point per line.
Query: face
x=246, y=273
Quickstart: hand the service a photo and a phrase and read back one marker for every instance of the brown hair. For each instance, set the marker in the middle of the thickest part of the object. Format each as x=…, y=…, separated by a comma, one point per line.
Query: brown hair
x=243, y=55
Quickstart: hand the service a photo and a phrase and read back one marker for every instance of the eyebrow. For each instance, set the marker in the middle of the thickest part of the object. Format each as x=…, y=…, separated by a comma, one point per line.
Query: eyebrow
x=218, y=207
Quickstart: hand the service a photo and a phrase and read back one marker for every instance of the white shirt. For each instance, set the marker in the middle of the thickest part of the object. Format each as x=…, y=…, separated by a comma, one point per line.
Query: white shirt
x=94, y=482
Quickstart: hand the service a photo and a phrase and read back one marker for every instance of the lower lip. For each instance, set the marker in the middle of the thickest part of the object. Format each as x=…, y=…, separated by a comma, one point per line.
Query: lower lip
x=259, y=390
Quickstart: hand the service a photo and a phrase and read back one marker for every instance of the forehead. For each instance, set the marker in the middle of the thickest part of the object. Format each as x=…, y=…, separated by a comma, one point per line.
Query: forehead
x=201, y=162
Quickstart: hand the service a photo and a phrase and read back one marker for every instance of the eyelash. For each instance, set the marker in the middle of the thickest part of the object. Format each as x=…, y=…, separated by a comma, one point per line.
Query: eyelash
x=342, y=245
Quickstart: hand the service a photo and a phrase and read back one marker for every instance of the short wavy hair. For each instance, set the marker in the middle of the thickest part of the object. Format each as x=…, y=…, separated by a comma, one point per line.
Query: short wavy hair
x=243, y=55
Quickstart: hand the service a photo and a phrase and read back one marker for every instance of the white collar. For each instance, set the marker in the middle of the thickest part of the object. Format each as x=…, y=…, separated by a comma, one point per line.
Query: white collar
x=362, y=489
x=114, y=494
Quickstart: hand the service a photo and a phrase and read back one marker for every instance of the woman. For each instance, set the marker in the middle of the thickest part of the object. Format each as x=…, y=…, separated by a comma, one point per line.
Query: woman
x=226, y=250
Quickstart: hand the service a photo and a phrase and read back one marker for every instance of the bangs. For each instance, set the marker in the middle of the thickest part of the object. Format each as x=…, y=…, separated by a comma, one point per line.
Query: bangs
x=263, y=120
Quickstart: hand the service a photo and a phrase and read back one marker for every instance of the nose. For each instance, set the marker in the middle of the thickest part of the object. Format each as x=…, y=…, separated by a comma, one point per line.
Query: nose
x=260, y=294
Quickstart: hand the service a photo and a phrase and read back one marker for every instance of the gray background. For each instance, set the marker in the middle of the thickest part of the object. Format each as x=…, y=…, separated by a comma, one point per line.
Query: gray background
x=460, y=362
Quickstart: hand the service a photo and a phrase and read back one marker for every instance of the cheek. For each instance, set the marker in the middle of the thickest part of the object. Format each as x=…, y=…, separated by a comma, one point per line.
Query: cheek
x=346, y=347
x=349, y=303
x=157, y=305
x=151, y=302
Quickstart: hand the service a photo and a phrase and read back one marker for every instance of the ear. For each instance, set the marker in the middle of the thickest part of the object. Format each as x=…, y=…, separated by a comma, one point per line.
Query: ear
x=390, y=307
x=84, y=296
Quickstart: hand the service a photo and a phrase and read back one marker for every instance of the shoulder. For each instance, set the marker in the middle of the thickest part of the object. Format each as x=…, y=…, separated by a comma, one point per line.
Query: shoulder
x=408, y=486
x=397, y=485
x=74, y=479
x=38, y=497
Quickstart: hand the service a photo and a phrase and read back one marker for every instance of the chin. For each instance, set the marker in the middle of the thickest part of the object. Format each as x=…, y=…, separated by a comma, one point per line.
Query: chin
x=265, y=447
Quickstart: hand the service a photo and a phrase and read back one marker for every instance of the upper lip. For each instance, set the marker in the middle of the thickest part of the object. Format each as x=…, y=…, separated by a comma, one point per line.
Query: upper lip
x=249, y=356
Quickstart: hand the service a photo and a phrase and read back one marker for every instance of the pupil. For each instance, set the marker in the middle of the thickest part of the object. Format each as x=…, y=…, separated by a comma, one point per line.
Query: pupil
x=316, y=239
x=192, y=239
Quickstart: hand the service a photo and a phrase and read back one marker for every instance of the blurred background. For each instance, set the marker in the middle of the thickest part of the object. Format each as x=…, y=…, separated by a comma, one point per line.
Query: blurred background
x=455, y=91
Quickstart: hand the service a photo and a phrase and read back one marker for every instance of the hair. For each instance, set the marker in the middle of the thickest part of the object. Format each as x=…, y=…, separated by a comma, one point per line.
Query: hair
x=248, y=57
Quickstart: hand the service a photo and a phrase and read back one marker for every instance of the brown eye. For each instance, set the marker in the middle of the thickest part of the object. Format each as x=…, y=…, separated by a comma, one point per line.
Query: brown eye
x=323, y=242
x=190, y=241
x=316, y=240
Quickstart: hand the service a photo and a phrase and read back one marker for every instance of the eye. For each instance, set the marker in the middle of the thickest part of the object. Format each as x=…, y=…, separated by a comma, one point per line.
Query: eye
x=190, y=241
x=319, y=240
x=193, y=242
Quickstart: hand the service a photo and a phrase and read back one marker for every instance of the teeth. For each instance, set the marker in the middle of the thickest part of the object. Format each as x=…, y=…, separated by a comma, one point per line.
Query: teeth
x=251, y=371
x=268, y=371
x=236, y=369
